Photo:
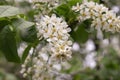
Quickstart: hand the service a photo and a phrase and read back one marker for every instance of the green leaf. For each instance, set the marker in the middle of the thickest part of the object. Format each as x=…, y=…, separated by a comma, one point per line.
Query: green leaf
x=87, y=24
x=7, y=11
x=80, y=35
x=65, y=11
x=30, y=34
x=25, y=53
x=62, y=10
x=3, y=23
x=21, y=23
x=74, y=2
x=95, y=0
x=26, y=29
x=3, y=2
x=8, y=45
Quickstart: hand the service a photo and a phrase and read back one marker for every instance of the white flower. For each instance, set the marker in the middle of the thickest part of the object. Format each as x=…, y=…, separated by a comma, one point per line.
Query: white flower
x=90, y=60
x=116, y=9
x=102, y=18
x=76, y=8
x=55, y=30
x=40, y=1
x=42, y=66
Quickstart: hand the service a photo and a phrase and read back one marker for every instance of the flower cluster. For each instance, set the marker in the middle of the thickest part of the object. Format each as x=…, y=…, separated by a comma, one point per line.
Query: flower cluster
x=55, y=32
x=39, y=0
x=102, y=17
x=25, y=70
x=44, y=7
x=50, y=3
x=44, y=1
x=40, y=67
